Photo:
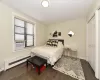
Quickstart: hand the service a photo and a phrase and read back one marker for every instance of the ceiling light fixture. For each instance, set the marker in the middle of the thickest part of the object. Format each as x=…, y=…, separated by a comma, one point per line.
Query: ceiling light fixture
x=45, y=3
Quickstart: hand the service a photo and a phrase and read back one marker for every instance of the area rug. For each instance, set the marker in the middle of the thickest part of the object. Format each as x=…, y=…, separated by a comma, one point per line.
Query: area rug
x=70, y=66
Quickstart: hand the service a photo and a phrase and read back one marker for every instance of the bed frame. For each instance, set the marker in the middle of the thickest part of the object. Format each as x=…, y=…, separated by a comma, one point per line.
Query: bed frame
x=61, y=40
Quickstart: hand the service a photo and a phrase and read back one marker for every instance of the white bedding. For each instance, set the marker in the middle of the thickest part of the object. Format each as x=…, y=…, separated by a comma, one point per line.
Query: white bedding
x=52, y=54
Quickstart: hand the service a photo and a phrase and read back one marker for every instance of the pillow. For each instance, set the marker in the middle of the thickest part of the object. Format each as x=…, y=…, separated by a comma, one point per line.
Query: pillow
x=52, y=43
x=48, y=43
x=55, y=43
x=60, y=44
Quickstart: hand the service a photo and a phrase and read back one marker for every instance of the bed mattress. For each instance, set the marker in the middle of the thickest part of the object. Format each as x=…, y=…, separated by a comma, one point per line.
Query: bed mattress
x=52, y=54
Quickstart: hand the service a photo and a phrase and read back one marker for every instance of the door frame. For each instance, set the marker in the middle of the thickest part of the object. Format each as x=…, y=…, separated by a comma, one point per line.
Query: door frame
x=97, y=43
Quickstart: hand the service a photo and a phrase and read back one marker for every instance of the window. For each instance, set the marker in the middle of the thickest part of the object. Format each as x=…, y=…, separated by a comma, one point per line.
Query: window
x=23, y=34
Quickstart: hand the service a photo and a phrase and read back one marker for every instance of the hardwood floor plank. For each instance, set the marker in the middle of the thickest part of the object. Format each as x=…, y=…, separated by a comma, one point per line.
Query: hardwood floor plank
x=20, y=73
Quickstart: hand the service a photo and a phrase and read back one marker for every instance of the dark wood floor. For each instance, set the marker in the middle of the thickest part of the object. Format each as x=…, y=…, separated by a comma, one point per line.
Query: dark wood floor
x=21, y=73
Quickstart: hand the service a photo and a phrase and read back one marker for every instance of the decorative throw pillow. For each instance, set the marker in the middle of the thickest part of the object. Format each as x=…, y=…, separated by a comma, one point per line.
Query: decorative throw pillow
x=52, y=43
x=55, y=43
x=48, y=43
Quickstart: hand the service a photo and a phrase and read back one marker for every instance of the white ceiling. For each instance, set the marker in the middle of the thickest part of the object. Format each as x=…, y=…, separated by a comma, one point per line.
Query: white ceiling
x=58, y=10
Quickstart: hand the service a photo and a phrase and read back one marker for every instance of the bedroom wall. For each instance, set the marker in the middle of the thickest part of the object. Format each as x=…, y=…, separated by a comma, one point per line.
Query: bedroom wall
x=78, y=40
x=6, y=32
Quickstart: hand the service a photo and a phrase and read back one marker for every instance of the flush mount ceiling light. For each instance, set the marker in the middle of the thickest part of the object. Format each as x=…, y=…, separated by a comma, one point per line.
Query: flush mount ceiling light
x=45, y=3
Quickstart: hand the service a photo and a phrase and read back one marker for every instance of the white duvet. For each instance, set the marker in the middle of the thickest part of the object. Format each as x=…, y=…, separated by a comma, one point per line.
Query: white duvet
x=52, y=54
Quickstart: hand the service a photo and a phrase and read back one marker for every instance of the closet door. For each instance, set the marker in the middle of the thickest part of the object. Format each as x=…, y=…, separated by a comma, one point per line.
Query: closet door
x=91, y=43
x=99, y=43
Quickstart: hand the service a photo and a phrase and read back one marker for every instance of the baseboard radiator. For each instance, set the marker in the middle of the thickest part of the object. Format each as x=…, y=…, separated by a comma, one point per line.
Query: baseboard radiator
x=9, y=63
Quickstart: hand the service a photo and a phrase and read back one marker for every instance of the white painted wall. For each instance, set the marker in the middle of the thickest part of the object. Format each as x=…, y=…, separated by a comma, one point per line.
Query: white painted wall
x=41, y=34
x=79, y=39
x=6, y=32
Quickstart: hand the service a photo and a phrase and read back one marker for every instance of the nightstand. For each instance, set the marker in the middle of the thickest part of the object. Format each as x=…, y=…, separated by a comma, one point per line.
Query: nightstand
x=70, y=51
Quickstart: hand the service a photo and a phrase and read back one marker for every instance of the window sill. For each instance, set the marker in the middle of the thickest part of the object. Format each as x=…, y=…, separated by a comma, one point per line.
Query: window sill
x=26, y=48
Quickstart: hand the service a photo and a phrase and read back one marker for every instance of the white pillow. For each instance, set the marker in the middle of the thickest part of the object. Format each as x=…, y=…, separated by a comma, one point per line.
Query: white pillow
x=60, y=44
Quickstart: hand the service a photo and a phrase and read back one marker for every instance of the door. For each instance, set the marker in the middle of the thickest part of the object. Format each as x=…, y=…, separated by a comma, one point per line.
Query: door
x=99, y=44
x=91, y=43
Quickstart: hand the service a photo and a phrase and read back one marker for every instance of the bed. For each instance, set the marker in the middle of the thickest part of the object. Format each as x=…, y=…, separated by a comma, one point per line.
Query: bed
x=52, y=54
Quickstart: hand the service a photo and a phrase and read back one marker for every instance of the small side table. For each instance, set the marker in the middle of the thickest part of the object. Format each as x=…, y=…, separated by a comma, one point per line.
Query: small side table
x=71, y=52
x=37, y=62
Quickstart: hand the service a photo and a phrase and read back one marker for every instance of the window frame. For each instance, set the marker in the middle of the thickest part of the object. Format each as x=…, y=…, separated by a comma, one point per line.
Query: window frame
x=25, y=33
x=28, y=34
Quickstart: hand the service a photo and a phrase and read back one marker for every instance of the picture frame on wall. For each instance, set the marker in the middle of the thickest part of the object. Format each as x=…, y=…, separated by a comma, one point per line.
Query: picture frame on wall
x=56, y=34
x=59, y=33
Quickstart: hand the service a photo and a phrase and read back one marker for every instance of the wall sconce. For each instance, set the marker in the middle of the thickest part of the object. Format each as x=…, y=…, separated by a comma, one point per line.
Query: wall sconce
x=71, y=33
